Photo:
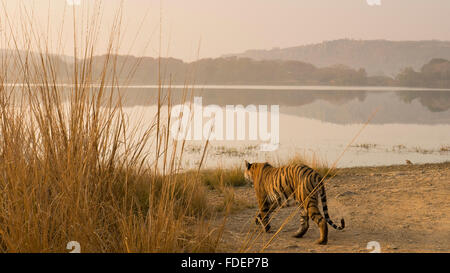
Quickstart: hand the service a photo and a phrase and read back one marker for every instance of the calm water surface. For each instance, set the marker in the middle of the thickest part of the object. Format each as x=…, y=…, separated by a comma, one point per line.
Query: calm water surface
x=411, y=124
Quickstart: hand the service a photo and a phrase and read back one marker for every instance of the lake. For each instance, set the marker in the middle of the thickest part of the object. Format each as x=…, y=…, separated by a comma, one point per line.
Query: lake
x=409, y=124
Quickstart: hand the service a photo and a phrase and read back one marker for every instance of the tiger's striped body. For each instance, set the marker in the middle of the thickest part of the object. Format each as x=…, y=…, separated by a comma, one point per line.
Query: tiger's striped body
x=274, y=185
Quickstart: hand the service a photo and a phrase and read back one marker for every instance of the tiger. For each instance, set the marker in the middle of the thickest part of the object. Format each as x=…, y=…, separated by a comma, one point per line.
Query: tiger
x=273, y=185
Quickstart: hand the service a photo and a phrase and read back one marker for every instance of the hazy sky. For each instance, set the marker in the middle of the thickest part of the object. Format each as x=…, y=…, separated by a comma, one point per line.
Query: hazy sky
x=232, y=26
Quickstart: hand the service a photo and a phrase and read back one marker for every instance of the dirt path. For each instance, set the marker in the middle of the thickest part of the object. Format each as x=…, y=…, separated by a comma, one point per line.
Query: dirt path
x=403, y=208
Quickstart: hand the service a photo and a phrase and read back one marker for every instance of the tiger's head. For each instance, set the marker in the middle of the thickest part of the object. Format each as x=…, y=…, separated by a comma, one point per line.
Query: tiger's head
x=248, y=172
x=252, y=170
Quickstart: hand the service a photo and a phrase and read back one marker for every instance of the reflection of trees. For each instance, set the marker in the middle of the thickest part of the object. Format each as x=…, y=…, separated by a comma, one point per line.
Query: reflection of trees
x=224, y=97
x=280, y=97
x=336, y=106
x=435, y=101
x=395, y=107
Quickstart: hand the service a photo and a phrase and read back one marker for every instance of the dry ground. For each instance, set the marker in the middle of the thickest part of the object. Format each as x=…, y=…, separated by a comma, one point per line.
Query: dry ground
x=404, y=208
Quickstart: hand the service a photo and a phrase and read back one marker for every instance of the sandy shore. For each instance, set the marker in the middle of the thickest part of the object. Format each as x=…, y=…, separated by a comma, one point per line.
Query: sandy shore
x=404, y=208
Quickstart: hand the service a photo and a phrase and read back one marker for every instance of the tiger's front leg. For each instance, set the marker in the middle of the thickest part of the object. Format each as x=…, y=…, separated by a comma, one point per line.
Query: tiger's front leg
x=261, y=220
x=264, y=216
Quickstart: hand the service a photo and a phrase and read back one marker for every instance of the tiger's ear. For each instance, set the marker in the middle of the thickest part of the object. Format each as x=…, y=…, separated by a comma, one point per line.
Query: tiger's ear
x=267, y=164
x=247, y=165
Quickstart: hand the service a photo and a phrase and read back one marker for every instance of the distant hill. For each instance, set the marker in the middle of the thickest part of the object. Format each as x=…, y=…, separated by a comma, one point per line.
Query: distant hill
x=231, y=70
x=434, y=74
x=377, y=57
x=12, y=63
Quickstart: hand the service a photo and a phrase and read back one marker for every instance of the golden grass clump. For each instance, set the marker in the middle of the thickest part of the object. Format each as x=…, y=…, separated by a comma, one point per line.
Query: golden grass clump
x=313, y=161
x=220, y=177
x=72, y=169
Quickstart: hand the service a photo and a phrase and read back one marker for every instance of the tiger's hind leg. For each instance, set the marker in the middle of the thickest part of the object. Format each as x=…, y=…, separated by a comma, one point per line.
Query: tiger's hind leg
x=304, y=224
x=314, y=214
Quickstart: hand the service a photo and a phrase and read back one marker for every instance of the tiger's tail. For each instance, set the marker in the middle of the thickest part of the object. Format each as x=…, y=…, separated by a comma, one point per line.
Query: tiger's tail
x=325, y=211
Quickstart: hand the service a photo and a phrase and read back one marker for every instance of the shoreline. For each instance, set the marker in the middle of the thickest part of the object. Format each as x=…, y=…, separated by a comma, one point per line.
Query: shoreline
x=278, y=87
x=445, y=163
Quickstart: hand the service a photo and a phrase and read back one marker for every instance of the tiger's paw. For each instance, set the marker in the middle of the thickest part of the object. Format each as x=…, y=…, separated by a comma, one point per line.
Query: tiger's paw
x=299, y=234
x=321, y=242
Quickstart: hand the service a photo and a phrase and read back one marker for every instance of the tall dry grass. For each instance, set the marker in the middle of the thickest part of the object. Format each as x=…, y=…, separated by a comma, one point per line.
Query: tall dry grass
x=72, y=169
x=314, y=161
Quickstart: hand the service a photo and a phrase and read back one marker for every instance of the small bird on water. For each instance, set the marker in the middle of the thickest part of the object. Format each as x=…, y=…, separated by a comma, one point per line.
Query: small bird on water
x=408, y=162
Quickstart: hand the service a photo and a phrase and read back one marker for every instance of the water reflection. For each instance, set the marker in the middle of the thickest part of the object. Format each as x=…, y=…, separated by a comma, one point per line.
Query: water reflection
x=335, y=106
x=322, y=121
